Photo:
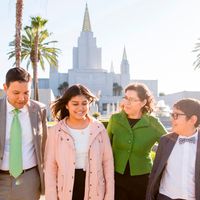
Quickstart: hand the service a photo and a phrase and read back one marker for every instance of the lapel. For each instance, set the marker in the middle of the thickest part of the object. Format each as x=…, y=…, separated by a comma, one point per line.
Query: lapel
x=2, y=125
x=35, y=122
x=143, y=122
x=168, y=146
x=123, y=121
x=197, y=169
x=33, y=113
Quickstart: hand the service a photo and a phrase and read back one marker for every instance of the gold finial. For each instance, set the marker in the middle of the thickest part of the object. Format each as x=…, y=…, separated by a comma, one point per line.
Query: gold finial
x=86, y=21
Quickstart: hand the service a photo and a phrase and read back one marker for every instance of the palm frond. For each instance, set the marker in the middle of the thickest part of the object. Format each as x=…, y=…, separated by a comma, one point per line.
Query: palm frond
x=196, y=63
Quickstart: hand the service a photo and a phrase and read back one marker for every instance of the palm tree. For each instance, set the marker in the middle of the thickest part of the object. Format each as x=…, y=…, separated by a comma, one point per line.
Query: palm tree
x=117, y=89
x=19, y=8
x=197, y=49
x=36, y=49
x=63, y=87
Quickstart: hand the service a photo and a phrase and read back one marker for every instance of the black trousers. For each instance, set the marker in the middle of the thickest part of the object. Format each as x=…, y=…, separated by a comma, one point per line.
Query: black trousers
x=129, y=187
x=163, y=197
x=79, y=185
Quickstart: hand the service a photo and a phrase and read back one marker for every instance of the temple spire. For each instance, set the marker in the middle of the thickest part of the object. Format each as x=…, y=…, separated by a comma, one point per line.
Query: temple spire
x=86, y=21
x=124, y=54
x=112, y=67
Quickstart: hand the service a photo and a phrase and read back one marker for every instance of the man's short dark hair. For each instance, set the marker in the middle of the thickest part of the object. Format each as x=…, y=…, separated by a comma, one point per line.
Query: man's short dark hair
x=17, y=74
x=189, y=107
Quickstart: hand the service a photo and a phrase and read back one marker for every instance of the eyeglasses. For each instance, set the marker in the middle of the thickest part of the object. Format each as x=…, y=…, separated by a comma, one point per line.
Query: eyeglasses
x=176, y=115
x=130, y=99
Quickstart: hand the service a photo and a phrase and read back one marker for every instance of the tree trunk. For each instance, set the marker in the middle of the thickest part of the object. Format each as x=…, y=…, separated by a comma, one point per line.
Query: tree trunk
x=35, y=82
x=19, y=8
x=35, y=68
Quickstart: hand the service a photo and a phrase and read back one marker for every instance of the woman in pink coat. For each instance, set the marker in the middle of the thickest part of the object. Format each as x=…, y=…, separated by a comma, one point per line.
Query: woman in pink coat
x=78, y=154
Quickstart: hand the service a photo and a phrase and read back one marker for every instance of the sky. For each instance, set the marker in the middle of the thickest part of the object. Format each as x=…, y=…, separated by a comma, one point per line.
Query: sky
x=159, y=36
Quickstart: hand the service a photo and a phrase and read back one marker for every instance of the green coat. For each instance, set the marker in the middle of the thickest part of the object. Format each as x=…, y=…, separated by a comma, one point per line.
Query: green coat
x=134, y=144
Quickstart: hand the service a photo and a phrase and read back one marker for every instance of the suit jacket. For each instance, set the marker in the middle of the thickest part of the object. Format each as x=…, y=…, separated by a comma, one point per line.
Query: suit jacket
x=37, y=113
x=165, y=148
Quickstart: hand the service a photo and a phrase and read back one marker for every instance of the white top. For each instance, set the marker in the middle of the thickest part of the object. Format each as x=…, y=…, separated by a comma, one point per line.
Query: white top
x=28, y=151
x=81, y=140
x=178, y=180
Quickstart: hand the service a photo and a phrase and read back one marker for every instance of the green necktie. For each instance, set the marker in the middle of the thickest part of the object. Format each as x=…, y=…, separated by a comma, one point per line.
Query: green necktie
x=15, y=163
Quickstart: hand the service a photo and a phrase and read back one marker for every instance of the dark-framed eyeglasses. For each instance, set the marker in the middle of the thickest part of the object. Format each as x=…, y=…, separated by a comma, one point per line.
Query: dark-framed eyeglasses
x=130, y=99
x=176, y=115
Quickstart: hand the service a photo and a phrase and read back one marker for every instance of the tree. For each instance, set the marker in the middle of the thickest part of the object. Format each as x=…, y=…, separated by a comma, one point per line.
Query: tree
x=63, y=87
x=117, y=89
x=161, y=94
x=197, y=49
x=18, y=26
x=36, y=49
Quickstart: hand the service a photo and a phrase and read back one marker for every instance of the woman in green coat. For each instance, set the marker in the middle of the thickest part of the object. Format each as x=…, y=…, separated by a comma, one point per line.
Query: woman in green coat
x=133, y=132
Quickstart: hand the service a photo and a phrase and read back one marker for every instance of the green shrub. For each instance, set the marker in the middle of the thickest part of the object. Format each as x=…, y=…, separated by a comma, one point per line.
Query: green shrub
x=104, y=122
x=96, y=114
x=153, y=154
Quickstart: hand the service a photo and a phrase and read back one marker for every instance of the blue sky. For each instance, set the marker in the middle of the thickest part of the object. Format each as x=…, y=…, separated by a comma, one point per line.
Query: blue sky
x=159, y=35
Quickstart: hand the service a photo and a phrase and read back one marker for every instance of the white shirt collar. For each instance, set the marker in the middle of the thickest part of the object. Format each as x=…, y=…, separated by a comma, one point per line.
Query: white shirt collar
x=10, y=108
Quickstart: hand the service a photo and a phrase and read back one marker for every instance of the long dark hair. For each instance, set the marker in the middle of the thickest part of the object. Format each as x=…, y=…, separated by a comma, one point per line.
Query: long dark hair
x=58, y=107
x=143, y=93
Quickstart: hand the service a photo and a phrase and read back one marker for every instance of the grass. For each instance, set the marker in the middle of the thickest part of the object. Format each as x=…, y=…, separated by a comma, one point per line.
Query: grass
x=51, y=123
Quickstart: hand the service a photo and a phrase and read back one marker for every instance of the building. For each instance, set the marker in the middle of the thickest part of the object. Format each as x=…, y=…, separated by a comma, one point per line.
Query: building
x=170, y=99
x=87, y=70
x=46, y=96
x=1, y=93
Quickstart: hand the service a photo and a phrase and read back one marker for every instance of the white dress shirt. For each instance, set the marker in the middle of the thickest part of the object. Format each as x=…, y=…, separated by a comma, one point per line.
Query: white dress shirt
x=178, y=180
x=28, y=151
x=81, y=140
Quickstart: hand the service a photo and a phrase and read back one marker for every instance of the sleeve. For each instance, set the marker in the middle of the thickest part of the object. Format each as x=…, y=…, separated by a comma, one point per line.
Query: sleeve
x=50, y=166
x=108, y=167
x=157, y=157
x=153, y=185
x=109, y=128
x=44, y=126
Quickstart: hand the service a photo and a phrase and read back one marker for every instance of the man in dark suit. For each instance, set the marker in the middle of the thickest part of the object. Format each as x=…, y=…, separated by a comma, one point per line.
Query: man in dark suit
x=176, y=169
x=22, y=138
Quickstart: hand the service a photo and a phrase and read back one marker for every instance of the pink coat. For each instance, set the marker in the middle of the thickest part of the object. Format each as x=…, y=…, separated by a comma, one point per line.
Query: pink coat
x=60, y=164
